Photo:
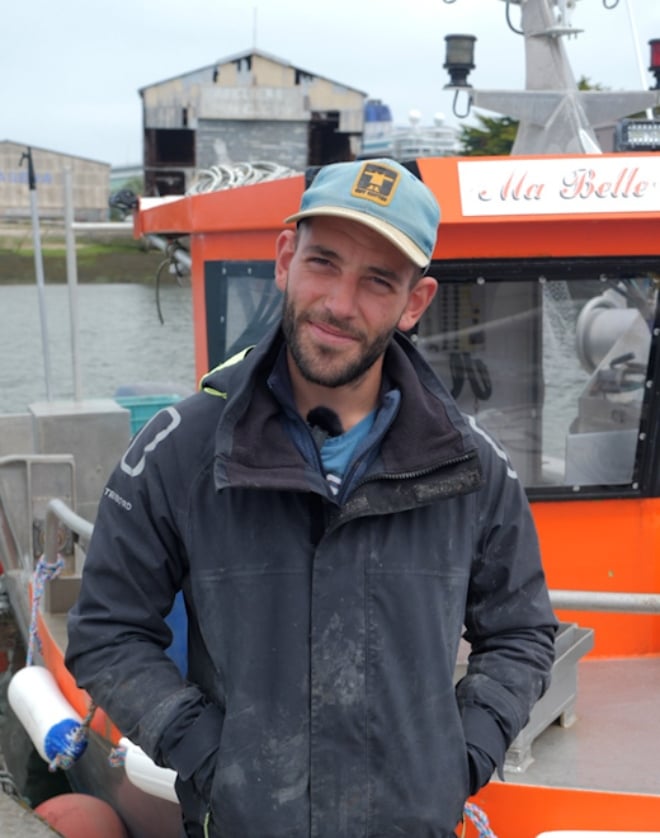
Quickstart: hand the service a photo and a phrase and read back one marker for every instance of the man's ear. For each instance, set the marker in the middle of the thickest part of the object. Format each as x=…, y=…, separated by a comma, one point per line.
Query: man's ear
x=419, y=300
x=285, y=247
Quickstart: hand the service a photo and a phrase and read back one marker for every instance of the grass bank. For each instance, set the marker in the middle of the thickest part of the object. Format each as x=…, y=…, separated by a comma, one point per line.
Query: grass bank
x=101, y=257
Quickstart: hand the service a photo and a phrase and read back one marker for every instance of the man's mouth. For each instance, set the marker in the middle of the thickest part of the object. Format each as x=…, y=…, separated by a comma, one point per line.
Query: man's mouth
x=332, y=332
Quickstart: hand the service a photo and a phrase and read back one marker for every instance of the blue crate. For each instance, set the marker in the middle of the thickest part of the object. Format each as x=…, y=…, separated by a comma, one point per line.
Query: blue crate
x=142, y=408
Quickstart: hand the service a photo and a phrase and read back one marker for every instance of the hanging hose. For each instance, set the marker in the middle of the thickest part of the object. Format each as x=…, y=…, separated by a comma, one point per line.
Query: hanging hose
x=508, y=19
x=176, y=266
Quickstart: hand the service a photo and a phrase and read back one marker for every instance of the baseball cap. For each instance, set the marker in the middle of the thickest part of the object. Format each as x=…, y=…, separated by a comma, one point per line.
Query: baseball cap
x=381, y=194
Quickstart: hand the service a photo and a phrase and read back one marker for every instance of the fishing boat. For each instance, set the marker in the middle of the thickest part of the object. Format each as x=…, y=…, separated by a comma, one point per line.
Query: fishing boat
x=546, y=327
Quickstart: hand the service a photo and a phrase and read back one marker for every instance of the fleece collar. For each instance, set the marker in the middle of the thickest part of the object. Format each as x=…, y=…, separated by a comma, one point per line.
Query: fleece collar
x=253, y=446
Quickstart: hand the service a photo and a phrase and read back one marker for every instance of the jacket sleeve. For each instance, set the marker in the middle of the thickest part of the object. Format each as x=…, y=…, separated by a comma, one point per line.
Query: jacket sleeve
x=117, y=630
x=510, y=624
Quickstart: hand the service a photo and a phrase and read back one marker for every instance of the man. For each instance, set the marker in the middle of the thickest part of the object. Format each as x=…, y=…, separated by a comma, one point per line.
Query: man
x=335, y=523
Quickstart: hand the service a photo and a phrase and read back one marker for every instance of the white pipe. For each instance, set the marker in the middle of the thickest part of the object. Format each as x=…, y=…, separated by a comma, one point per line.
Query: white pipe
x=178, y=254
x=39, y=271
x=627, y=603
x=72, y=281
x=102, y=226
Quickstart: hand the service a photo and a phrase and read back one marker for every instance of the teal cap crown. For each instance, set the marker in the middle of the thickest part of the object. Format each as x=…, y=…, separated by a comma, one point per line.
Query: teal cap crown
x=381, y=194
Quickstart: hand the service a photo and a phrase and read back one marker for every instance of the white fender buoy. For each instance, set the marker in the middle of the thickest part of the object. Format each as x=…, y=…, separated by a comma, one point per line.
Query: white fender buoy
x=143, y=772
x=48, y=718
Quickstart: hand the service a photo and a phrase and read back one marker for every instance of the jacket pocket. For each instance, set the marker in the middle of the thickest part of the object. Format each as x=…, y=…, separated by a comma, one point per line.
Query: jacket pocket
x=193, y=808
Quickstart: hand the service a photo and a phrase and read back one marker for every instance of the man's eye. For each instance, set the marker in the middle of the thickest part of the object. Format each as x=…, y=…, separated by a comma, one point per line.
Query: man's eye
x=381, y=283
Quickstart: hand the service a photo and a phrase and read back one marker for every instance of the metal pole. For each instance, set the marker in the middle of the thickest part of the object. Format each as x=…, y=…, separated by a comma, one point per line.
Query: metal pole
x=178, y=254
x=638, y=52
x=72, y=280
x=38, y=265
x=628, y=603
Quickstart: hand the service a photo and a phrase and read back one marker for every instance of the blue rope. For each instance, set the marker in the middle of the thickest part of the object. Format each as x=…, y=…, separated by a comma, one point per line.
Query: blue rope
x=117, y=756
x=43, y=573
x=65, y=742
x=479, y=819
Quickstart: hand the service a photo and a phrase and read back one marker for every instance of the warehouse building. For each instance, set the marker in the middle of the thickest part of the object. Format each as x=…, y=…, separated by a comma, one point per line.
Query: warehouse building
x=90, y=182
x=248, y=107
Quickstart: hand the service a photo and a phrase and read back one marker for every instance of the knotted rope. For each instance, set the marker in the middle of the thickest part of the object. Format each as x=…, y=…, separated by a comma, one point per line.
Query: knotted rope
x=478, y=817
x=74, y=744
x=43, y=573
x=117, y=756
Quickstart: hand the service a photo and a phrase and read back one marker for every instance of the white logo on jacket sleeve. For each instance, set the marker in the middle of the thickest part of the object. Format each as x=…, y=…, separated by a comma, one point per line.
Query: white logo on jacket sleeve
x=499, y=451
x=153, y=433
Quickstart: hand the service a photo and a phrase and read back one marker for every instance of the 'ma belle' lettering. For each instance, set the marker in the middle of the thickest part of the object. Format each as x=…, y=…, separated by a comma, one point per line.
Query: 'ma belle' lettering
x=518, y=188
x=584, y=183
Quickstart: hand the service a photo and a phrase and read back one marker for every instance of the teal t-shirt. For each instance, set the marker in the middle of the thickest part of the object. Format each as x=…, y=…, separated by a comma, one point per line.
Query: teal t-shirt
x=337, y=451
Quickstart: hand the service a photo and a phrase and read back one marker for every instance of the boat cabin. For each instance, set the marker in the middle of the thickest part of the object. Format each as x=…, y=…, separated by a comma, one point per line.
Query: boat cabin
x=546, y=328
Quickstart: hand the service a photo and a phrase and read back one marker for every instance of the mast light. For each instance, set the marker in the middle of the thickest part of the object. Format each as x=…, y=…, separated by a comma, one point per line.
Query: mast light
x=459, y=59
x=655, y=61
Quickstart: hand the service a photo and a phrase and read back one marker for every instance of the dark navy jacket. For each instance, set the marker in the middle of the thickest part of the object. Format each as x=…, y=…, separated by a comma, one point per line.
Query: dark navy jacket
x=320, y=697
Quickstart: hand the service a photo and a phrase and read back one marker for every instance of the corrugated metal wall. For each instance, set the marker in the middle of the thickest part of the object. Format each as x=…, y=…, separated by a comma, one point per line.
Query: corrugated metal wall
x=235, y=141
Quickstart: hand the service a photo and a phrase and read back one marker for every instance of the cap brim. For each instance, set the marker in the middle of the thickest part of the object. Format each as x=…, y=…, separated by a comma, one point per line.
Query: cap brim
x=392, y=234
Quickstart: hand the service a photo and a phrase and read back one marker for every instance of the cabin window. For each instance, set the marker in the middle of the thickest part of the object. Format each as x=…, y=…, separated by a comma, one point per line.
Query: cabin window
x=554, y=363
x=552, y=358
x=242, y=303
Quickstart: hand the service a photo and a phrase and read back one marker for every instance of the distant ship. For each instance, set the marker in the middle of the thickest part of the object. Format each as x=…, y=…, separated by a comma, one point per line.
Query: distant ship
x=382, y=138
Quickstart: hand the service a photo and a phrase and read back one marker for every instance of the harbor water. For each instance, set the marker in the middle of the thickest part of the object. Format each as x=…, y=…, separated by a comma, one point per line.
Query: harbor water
x=121, y=340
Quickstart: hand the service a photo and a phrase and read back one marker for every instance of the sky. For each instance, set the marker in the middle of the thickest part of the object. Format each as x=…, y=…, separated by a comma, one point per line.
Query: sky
x=72, y=70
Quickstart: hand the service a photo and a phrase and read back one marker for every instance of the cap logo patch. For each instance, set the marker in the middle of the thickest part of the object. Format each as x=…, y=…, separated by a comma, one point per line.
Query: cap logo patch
x=376, y=183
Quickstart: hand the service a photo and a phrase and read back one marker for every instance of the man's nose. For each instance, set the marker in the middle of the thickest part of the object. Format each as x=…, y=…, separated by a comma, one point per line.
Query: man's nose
x=341, y=299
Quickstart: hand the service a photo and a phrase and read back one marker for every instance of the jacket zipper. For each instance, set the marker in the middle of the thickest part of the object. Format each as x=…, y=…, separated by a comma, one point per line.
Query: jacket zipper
x=409, y=475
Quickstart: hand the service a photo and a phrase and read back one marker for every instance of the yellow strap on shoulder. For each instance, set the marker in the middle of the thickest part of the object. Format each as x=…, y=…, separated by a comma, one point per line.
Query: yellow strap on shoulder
x=228, y=363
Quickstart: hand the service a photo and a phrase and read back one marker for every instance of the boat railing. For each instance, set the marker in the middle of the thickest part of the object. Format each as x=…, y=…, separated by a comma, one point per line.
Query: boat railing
x=58, y=514
x=26, y=482
x=64, y=526
x=626, y=603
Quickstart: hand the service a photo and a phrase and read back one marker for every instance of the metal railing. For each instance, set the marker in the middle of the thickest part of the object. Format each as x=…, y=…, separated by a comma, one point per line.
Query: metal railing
x=631, y=603
x=627, y=603
x=58, y=513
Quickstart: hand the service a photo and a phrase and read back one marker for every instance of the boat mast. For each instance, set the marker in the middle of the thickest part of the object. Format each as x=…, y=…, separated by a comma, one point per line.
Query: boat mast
x=555, y=117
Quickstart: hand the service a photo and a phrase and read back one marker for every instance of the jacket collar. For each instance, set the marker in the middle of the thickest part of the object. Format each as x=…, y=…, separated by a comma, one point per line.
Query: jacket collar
x=253, y=448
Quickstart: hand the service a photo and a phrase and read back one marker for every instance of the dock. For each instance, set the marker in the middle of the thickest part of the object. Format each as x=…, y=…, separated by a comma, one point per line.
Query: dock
x=18, y=821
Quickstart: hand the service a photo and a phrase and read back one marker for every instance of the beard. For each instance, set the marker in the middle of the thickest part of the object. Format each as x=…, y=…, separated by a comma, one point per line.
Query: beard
x=324, y=365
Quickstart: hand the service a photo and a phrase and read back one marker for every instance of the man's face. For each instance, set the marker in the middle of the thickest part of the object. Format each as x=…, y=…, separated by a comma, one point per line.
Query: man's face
x=346, y=290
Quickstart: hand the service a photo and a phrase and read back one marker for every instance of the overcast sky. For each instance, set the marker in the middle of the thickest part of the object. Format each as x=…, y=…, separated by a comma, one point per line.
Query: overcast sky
x=71, y=71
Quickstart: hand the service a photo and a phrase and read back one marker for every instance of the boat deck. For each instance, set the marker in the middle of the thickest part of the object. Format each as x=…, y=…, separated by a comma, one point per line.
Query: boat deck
x=613, y=745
